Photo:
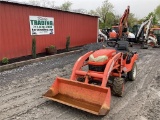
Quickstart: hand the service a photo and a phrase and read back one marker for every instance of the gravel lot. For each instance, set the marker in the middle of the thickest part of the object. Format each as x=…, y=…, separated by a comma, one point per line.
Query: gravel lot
x=21, y=90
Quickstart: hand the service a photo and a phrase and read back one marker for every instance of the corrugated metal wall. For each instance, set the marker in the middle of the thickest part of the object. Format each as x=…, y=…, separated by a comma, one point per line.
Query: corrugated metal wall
x=15, y=38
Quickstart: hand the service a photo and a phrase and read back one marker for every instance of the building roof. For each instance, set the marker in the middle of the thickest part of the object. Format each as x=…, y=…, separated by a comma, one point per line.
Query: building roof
x=56, y=9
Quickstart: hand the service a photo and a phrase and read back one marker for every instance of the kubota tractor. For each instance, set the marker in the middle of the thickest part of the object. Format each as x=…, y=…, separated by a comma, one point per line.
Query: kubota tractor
x=94, y=77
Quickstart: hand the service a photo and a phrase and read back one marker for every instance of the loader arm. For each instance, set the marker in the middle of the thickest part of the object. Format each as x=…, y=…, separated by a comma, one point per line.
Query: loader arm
x=110, y=66
x=79, y=63
x=148, y=27
x=148, y=24
x=114, y=63
x=141, y=29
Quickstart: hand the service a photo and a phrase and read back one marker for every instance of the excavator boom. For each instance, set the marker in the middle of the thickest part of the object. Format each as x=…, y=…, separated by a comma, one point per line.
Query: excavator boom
x=145, y=26
x=123, y=21
x=148, y=27
x=122, y=27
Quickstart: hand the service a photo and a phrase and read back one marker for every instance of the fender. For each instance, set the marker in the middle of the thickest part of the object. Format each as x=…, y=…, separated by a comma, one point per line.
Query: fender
x=128, y=67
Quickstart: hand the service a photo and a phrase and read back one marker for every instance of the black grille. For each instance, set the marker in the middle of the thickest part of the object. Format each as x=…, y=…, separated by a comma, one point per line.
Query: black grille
x=98, y=68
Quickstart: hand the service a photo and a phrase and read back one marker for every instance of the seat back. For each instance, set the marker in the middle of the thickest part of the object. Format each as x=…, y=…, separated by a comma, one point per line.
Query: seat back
x=122, y=46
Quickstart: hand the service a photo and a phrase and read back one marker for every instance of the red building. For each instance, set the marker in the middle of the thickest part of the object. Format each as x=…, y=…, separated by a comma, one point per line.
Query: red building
x=15, y=30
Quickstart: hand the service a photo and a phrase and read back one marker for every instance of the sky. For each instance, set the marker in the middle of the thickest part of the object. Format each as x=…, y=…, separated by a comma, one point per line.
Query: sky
x=140, y=8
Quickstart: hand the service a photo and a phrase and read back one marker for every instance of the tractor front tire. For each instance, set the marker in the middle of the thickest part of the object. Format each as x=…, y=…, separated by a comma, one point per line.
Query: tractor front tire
x=118, y=86
x=132, y=74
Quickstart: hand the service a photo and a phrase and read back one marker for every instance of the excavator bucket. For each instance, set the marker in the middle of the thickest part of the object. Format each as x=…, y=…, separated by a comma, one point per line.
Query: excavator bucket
x=90, y=98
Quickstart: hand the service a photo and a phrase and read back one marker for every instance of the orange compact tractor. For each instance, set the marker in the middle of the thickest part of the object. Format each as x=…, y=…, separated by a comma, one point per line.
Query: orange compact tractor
x=94, y=77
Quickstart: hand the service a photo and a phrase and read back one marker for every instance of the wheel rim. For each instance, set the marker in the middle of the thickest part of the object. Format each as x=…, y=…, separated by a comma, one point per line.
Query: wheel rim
x=134, y=72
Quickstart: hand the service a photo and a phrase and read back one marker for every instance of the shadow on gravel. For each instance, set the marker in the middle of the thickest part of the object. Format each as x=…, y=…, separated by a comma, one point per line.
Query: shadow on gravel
x=158, y=78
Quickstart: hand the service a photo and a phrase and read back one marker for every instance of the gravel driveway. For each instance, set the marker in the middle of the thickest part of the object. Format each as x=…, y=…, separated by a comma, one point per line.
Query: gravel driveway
x=21, y=90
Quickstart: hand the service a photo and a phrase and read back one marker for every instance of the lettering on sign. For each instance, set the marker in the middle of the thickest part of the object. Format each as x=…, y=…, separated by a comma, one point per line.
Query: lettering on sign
x=41, y=25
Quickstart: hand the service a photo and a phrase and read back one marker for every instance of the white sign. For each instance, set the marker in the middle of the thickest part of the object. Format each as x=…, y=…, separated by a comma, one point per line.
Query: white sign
x=41, y=25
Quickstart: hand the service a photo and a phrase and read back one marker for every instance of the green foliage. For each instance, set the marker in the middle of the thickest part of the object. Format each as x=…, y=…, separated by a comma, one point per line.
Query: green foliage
x=105, y=13
x=52, y=47
x=111, y=19
x=132, y=20
x=43, y=3
x=157, y=12
x=83, y=11
x=67, y=43
x=33, y=47
x=155, y=21
x=92, y=12
x=66, y=6
x=140, y=21
x=51, y=50
x=5, y=60
x=102, y=25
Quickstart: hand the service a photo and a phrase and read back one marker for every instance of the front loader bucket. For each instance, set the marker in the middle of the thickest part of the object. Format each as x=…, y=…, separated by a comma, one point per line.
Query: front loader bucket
x=87, y=97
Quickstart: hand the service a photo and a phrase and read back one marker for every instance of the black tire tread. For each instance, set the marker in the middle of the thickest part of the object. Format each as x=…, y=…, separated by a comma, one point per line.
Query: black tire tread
x=130, y=74
x=117, y=88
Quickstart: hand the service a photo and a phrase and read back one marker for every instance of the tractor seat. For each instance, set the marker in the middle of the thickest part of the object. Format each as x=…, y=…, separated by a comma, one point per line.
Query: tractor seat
x=122, y=46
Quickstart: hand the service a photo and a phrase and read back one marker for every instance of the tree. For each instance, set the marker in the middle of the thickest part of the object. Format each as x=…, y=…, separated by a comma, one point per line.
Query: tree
x=103, y=12
x=47, y=3
x=155, y=21
x=66, y=6
x=93, y=12
x=140, y=21
x=44, y=3
x=116, y=19
x=34, y=2
x=157, y=12
x=132, y=20
x=110, y=19
x=83, y=11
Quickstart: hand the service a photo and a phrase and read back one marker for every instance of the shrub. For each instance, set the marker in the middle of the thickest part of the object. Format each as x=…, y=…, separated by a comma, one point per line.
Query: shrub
x=67, y=43
x=50, y=50
x=33, y=47
x=5, y=60
x=52, y=47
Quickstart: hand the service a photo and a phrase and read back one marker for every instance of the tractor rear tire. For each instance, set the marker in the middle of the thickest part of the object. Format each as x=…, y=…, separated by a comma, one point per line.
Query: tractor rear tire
x=132, y=74
x=118, y=86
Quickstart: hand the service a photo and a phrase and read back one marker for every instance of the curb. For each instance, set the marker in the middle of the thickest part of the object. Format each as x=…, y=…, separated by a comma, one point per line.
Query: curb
x=22, y=63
